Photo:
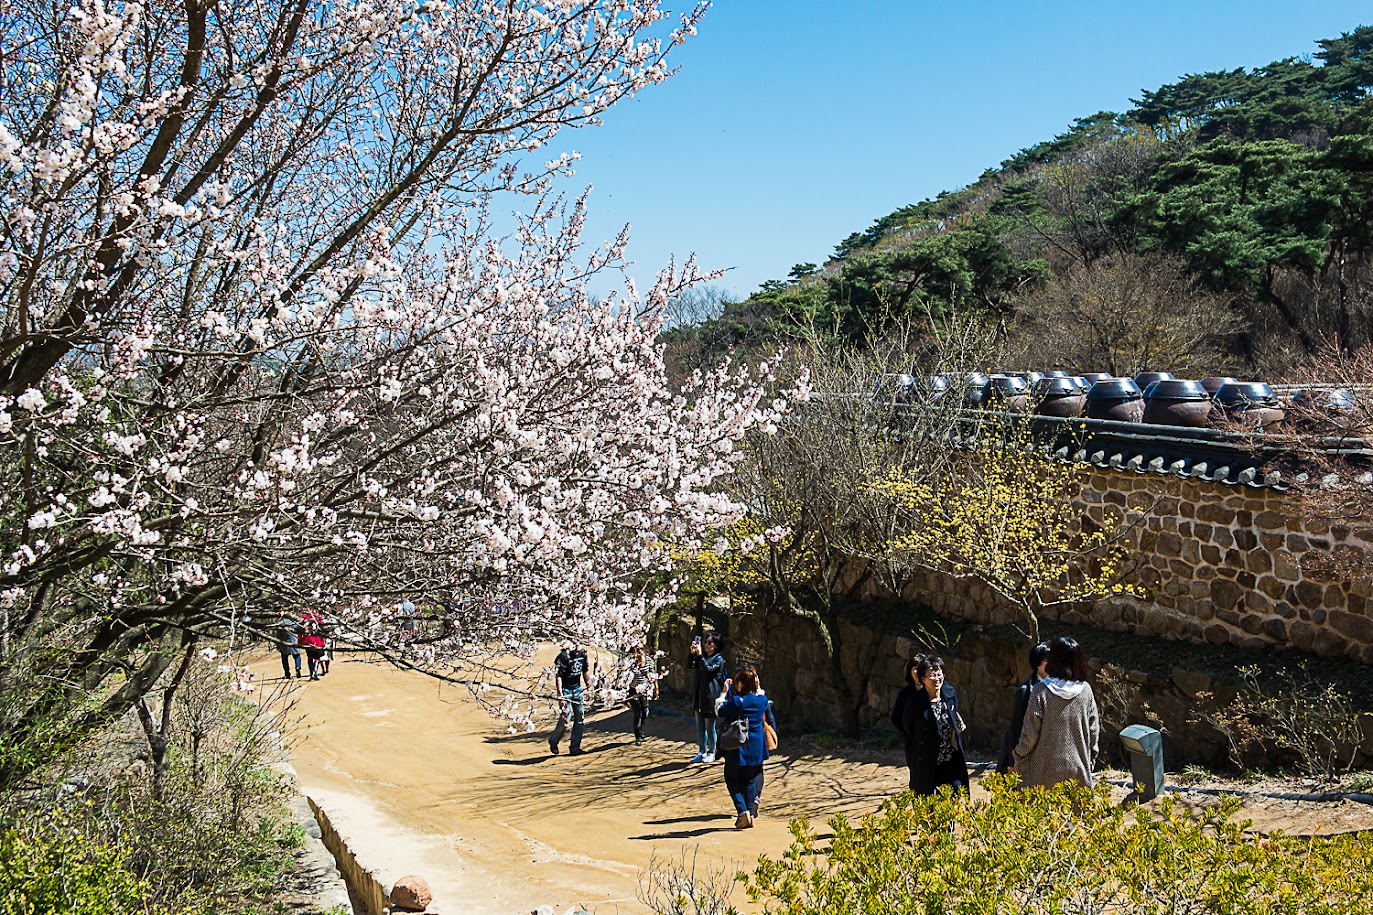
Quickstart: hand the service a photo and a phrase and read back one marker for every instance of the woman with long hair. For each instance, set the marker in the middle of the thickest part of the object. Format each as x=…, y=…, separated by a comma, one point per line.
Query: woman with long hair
x=642, y=687
x=1059, y=740
x=906, y=711
x=707, y=685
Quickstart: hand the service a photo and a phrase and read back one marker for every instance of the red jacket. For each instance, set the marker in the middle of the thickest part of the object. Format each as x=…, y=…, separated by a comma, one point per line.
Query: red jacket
x=312, y=629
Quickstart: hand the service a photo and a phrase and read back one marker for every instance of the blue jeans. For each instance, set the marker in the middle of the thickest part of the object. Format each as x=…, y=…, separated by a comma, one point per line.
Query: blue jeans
x=745, y=784
x=575, y=708
x=705, y=733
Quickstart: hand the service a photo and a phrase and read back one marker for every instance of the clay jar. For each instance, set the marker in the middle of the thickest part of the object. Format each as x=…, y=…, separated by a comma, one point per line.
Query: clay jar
x=1093, y=377
x=893, y=388
x=1327, y=412
x=1059, y=397
x=1177, y=403
x=925, y=388
x=975, y=389
x=1117, y=399
x=1007, y=392
x=1144, y=379
x=1250, y=403
x=1216, y=382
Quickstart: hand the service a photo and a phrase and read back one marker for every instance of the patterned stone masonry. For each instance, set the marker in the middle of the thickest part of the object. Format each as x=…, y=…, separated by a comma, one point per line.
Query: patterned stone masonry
x=1221, y=564
x=985, y=667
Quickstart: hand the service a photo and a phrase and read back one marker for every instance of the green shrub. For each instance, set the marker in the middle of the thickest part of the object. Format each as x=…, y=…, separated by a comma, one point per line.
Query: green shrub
x=206, y=832
x=212, y=828
x=49, y=865
x=1066, y=850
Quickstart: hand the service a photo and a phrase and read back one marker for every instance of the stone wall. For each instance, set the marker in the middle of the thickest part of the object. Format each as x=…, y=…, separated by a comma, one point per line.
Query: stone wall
x=1227, y=568
x=1170, y=690
x=1222, y=564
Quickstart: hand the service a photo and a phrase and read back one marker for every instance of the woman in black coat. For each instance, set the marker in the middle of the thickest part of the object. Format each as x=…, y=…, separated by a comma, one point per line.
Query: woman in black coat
x=907, y=710
x=933, y=729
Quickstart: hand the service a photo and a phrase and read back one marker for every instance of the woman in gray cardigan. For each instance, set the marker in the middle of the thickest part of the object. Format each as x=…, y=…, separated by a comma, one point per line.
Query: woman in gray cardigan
x=1059, y=740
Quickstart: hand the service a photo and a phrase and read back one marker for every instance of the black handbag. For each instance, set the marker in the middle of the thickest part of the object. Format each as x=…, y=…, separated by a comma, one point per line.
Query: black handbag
x=734, y=735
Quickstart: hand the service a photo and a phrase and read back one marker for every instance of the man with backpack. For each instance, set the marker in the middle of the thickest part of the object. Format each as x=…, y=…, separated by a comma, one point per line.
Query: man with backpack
x=571, y=671
x=285, y=632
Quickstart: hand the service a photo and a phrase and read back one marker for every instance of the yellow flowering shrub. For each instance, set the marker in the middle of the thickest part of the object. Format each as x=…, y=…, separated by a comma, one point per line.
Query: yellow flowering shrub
x=1064, y=850
x=1008, y=519
x=746, y=555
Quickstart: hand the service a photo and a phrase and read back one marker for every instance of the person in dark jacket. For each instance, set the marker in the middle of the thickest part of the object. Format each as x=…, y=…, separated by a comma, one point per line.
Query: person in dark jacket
x=571, y=673
x=1039, y=658
x=907, y=709
x=935, y=728
x=707, y=683
x=744, y=765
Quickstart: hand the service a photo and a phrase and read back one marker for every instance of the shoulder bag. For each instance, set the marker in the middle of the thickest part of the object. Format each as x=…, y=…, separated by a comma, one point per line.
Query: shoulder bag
x=733, y=735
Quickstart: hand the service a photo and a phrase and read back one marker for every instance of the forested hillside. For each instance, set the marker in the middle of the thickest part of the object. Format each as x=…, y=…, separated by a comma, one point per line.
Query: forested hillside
x=1222, y=223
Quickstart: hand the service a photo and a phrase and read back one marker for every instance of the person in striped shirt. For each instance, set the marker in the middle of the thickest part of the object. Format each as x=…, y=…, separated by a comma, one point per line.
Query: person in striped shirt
x=642, y=686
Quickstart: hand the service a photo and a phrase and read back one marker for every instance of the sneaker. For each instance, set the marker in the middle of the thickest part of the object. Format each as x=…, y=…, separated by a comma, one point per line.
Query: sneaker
x=699, y=757
x=754, y=812
x=708, y=758
x=744, y=821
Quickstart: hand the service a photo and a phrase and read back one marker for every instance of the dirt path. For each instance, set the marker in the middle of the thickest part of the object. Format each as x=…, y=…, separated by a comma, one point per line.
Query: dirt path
x=422, y=781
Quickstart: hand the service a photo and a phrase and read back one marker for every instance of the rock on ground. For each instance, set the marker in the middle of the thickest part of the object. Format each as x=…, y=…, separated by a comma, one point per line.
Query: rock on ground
x=411, y=894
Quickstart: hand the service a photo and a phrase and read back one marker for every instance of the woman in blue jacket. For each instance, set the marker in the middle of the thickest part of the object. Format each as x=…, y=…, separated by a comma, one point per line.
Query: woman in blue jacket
x=744, y=765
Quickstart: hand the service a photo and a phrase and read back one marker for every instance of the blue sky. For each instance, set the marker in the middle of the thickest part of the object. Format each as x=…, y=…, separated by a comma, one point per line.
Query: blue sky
x=795, y=122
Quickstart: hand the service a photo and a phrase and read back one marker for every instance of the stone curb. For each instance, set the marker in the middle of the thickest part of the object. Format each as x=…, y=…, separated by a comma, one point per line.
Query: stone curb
x=372, y=897
x=315, y=860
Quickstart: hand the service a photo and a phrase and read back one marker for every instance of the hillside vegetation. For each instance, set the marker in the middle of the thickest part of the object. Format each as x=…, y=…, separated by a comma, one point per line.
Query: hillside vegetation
x=1222, y=223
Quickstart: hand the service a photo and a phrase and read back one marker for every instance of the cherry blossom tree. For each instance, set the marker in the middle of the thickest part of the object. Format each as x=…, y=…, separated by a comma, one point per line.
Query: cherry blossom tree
x=264, y=349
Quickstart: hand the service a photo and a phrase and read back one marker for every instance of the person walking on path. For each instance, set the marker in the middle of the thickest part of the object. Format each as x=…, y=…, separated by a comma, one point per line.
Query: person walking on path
x=1039, y=659
x=744, y=764
x=286, y=632
x=570, y=677
x=642, y=687
x=1059, y=740
x=707, y=683
x=936, y=728
x=908, y=710
x=407, y=620
x=312, y=639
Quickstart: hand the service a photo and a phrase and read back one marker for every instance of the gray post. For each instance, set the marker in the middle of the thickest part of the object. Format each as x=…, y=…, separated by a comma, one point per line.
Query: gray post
x=1145, y=747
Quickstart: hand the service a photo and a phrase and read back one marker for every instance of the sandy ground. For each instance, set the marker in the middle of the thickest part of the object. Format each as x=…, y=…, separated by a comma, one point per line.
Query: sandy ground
x=420, y=780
